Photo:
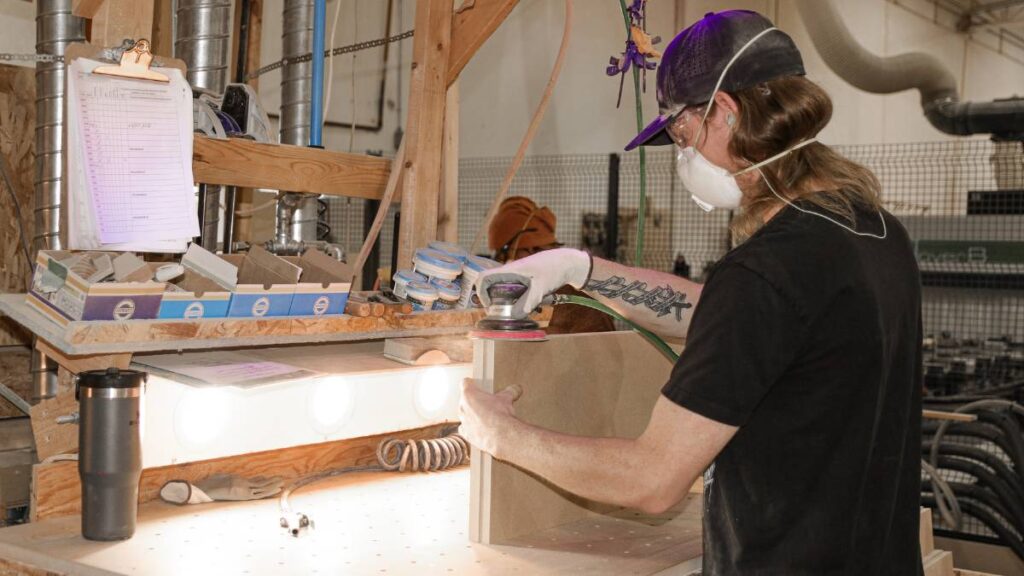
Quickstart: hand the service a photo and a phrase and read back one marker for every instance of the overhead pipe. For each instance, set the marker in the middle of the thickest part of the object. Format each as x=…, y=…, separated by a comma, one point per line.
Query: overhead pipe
x=296, y=213
x=912, y=70
x=316, y=108
x=56, y=28
x=202, y=32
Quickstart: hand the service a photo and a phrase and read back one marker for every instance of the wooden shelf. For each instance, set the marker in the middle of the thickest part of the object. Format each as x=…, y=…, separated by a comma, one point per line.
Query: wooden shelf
x=249, y=164
x=131, y=336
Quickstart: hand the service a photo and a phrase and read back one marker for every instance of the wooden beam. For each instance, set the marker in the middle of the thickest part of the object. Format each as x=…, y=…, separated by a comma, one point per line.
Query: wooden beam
x=425, y=127
x=119, y=19
x=448, y=219
x=78, y=364
x=162, y=41
x=86, y=8
x=954, y=416
x=472, y=25
x=56, y=490
x=248, y=164
x=598, y=385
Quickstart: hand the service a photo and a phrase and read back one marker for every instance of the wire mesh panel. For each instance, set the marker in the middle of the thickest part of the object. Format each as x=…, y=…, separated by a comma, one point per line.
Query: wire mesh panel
x=962, y=202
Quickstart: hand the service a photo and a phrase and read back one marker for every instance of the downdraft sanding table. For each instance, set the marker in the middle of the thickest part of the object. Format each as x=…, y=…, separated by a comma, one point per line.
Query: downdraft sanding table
x=365, y=523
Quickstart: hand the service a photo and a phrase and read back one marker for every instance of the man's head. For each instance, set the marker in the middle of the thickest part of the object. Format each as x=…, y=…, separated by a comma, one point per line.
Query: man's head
x=733, y=87
x=521, y=228
x=692, y=66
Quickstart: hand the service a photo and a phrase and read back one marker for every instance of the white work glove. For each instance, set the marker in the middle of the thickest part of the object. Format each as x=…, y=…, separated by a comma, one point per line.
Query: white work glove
x=220, y=487
x=543, y=273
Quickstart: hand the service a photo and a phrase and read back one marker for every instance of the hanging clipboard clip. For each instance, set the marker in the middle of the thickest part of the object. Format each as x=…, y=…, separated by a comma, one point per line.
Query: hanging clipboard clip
x=134, y=64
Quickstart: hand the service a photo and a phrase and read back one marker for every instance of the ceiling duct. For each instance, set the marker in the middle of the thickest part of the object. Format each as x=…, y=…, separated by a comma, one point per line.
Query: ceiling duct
x=940, y=100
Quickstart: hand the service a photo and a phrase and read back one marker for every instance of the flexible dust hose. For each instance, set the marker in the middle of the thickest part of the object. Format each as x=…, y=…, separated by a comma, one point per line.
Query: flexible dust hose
x=912, y=70
x=933, y=456
x=651, y=337
x=393, y=455
x=538, y=114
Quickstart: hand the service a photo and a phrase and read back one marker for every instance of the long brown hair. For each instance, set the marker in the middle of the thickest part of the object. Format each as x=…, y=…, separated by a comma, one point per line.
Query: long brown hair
x=775, y=116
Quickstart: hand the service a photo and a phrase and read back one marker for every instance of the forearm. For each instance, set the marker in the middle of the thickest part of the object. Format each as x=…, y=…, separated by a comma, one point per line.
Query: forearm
x=660, y=302
x=598, y=469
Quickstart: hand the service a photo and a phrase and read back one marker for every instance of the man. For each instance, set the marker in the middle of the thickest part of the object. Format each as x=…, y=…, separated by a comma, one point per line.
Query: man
x=799, y=387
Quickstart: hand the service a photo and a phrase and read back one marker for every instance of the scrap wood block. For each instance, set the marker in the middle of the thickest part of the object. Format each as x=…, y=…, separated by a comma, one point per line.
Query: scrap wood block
x=598, y=385
x=427, y=351
x=939, y=563
x=927, y=534
x=53, y=438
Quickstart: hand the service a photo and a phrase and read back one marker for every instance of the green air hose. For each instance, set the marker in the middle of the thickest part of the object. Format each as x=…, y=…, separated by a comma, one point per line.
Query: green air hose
x=642, y=206
x=647, y=334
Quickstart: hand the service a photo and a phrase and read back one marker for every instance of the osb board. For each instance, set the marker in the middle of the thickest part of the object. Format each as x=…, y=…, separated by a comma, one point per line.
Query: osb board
x=85, y=338
x=56, y=490
x=52, y=438
x=599, y=385
x=366, y=523
x=14, y=373
x=17, y=136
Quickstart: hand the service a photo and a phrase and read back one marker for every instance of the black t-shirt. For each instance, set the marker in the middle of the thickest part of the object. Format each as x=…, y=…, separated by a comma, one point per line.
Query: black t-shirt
x=808, y=338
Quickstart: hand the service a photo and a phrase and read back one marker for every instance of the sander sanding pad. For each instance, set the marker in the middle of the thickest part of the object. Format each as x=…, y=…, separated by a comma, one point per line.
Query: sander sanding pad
x=517, y=335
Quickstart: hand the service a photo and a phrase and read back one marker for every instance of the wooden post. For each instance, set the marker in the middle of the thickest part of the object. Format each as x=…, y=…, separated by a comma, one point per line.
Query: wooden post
x=448, y=220
x=116, y=20
x=425, y=127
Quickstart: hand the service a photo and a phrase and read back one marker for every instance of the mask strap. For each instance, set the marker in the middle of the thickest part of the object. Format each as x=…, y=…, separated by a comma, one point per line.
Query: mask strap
x=810, y=140
x=711, y=101
x=885, y=230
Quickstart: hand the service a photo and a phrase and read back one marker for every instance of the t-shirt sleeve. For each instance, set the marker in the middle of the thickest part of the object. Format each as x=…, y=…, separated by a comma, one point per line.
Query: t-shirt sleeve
x=743, y=336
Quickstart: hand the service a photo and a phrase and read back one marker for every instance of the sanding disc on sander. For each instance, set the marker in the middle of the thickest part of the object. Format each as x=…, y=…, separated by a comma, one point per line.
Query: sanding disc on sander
x=523, y=330
x=517, y=335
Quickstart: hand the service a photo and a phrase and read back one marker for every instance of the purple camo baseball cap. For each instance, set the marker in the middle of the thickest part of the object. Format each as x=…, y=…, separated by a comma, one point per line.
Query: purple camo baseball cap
x=695, y=58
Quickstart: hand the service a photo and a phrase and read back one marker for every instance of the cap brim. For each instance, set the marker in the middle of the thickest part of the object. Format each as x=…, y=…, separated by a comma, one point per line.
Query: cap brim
x=654, y=134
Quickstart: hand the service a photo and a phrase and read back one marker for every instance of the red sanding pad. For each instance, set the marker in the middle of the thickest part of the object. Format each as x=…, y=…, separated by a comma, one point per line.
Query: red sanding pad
x=518, y=335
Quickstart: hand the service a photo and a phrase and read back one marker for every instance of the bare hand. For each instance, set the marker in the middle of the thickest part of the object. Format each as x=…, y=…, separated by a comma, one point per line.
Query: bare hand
x=486, y=417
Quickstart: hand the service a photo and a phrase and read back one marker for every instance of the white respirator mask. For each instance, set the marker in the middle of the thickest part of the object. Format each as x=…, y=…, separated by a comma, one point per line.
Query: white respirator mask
x=712, y=186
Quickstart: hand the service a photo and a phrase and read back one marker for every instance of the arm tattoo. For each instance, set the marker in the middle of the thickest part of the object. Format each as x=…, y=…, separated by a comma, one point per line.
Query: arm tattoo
x=661, y=300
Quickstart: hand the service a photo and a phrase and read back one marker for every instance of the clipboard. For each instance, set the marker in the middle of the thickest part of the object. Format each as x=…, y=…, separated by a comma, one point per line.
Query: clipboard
x=73, y=52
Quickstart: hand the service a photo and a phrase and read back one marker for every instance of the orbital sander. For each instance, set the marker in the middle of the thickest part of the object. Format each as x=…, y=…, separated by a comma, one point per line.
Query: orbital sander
x=500, y=324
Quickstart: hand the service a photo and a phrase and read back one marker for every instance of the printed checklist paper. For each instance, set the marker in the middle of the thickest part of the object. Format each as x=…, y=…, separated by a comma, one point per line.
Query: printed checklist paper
x=130, y=181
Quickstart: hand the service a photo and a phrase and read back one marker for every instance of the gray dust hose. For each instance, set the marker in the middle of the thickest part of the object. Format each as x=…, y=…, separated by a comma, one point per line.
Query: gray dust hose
x=913, y=70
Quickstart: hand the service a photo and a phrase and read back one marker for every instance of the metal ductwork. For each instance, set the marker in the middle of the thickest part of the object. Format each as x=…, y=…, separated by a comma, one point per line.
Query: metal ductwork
x=55, y=29
x=202, y=39
x=296, y=214
x=884, y=75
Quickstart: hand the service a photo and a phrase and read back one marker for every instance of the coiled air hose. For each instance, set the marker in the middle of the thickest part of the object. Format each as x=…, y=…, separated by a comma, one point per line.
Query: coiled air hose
x=651, y=337
x=421, y=455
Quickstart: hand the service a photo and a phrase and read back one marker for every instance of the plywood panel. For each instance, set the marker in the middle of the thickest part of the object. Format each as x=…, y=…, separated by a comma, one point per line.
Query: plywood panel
x=17, y=134
x=602, y=384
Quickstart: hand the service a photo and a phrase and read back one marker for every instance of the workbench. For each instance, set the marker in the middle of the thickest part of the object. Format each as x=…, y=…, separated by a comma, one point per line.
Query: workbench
x=365, y=523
